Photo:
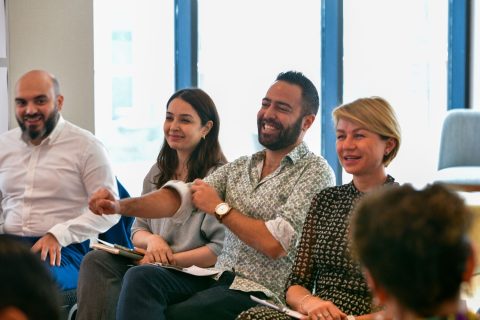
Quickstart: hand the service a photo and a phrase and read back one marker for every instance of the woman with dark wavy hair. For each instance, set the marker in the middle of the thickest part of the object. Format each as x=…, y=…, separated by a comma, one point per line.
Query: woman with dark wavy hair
x=190, y=150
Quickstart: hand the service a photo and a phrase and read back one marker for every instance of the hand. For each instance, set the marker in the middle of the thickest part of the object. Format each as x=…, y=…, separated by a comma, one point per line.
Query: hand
x=48, y=245
x=158, y=250
x=103, y=202
x=318, y=309
x=204, y=196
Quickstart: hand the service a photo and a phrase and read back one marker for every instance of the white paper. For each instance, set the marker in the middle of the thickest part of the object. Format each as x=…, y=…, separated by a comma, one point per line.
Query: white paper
x=193, y=270
x=282, y=309
x=3, y=100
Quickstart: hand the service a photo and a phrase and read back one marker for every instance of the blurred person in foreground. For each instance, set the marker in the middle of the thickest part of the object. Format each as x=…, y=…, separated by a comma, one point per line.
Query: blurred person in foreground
x=416, y=252
x=27, y=290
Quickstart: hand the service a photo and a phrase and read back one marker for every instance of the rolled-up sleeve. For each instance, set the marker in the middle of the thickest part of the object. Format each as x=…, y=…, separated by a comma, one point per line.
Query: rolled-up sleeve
x=186, y=207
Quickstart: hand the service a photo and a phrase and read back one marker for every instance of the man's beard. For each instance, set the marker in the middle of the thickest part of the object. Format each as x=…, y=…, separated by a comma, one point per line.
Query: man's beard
x=48, y=127
x=286, y=136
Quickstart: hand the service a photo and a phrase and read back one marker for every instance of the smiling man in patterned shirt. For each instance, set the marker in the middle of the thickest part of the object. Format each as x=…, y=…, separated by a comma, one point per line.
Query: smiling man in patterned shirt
x=261, y=199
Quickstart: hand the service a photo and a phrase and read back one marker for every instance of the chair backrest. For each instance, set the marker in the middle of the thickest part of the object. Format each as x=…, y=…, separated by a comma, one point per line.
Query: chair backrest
x=460, y=141
x=120, y=232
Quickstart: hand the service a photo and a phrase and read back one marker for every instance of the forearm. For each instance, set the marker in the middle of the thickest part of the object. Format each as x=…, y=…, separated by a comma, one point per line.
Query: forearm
x=201, y=257
x=254, y=233
x=140, y=238
x=297, y=295
x=158, y=204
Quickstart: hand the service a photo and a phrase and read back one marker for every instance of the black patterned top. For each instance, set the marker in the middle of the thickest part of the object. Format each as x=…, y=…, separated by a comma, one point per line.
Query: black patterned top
x=323, y=263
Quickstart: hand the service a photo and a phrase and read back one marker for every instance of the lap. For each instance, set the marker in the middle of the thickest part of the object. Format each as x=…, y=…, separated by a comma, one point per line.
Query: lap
x=215, y=302
x=262, y=313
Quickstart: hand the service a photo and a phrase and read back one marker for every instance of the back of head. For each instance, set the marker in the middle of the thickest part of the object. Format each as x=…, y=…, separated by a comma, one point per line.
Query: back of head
x=374, y=114
x=310, y=99
x=414, y=244
x=25, y=283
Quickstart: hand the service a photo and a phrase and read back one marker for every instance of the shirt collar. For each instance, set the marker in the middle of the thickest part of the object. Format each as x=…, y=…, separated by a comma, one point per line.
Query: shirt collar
x=52, y=136
x=390, y=180
x=293, y=156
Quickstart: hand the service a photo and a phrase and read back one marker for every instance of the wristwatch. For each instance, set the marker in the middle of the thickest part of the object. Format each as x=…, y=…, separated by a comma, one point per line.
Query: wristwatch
x=221, y=210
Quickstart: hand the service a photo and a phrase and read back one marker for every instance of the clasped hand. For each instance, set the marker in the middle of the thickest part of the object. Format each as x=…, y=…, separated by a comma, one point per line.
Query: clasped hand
x=318, y=309
x=102, y=201
x=158, y=250
x=204, y=196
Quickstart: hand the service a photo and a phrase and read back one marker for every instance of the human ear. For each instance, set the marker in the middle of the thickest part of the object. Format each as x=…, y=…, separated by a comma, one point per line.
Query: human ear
x=308, y=121
x=390, y=145
x=59, y=99
x=207, y=127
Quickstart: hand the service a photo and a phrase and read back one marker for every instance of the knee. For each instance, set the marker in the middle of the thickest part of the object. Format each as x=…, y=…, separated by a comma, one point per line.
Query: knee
x=139, y=276
x=93, y=261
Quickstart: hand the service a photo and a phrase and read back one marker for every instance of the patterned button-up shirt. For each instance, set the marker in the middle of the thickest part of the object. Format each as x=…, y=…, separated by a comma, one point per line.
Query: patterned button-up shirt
x=281, y=199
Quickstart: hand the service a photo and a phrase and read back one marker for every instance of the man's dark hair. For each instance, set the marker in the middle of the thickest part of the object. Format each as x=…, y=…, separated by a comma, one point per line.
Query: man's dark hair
x=25, y=283
x=310, y=100
x=414, y=243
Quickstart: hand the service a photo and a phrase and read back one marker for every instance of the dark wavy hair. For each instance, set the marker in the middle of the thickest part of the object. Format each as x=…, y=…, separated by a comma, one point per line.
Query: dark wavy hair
x=414, y=243
x=207, y=154
x=25, y=282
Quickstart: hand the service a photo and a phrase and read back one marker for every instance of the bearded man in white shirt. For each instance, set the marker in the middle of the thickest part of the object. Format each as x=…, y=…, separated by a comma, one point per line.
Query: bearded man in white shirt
x=48, y=169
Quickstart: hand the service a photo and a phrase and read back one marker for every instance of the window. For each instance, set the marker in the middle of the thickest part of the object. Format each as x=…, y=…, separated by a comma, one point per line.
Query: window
x=399, y=50
x=242, y=46
x=134, y=77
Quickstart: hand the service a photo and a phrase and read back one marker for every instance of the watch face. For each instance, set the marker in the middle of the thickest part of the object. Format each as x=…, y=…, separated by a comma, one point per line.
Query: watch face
x=222, y=209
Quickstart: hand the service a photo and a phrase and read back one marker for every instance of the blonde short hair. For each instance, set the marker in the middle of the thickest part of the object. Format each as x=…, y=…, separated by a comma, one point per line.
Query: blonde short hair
x=374, y=114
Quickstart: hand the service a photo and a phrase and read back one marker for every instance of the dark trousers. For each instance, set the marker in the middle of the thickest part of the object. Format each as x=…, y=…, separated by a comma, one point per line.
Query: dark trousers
x=150, y=292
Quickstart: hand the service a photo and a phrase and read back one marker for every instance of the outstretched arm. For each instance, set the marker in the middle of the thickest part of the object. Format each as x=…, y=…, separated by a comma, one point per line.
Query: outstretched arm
x=157, y=204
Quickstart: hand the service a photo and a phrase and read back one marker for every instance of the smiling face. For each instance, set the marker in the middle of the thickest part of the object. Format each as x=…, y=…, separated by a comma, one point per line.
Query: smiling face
x=37, y=105
x=183, y=128
x=361, y=151
x=280, y=121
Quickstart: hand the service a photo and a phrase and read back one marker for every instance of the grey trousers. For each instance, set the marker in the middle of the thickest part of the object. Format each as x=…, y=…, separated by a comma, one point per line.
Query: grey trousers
x=99, y=284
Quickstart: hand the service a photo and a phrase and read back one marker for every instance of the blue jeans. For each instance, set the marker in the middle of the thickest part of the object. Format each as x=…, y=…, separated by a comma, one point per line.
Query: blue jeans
x=150, y=292
x=65, y=275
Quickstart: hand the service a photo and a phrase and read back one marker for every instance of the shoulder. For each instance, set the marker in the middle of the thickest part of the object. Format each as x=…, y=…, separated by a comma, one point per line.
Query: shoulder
x=76, y=130
x=234, y=165
x=11, y=135
x=85, y=137
x=240, y=161
x=332, y=193
x=154, y=170
x=317, y=162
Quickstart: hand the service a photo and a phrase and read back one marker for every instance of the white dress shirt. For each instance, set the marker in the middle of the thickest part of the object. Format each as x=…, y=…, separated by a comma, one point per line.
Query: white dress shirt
x=45, y=188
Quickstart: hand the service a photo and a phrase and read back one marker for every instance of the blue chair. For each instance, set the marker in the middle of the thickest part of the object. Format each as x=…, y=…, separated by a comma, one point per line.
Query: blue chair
x=119, y=234
x=459, y=159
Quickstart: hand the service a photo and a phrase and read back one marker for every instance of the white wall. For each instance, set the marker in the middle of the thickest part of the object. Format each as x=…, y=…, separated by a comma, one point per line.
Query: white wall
x=57, y=36
x=3, y=71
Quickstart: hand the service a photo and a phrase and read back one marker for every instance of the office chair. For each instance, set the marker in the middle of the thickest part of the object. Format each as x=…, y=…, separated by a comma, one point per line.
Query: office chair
x=459, y=158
